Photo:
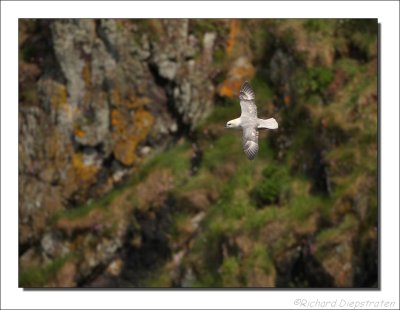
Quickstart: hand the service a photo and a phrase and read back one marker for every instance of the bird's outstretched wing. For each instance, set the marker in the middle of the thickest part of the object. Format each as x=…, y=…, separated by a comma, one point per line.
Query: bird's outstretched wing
x=250, y=142
x=247, y=104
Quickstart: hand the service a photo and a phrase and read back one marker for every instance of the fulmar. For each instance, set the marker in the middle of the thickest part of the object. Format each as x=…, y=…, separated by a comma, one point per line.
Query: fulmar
x=249, y=122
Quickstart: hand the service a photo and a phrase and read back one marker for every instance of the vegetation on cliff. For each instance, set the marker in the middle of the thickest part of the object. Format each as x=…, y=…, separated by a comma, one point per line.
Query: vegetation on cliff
x=128, y=178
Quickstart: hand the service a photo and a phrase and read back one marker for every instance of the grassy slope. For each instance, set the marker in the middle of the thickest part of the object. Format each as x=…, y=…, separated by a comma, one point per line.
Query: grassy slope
x=265, y=208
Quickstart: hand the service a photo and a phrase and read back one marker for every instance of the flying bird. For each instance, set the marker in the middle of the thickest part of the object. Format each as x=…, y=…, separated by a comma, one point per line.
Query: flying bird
x=249, y=122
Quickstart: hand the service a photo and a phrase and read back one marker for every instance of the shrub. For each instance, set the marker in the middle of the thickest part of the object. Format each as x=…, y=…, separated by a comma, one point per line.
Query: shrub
x=269, y=188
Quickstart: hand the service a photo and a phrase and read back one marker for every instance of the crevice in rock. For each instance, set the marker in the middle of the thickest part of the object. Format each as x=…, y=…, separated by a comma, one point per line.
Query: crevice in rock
x=24, y=247
x=318, y=173
x=38, y=50
x=103, y=37
x=357, y=53
x=153, y=248
x=302, y=269
x=366, y=273
x=95, y=272
x=183, y=128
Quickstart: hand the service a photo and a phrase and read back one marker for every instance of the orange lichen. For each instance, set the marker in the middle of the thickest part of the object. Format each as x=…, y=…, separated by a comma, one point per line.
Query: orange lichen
x=241, y=71
x=229, y=88
x=83, y=172
x=233, y=31
x=143, y=121
x=131, y=124
x=137, y=102
x=116, y=97
x=53, y=143
x=116, y=119
x=79, y=132
x=59, y=95
x=124, y=151
x=286, y=100
x=128, y=132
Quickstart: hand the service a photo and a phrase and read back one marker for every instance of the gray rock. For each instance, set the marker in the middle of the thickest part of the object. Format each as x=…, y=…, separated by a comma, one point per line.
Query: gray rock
x=102, y=73
x=53, y=246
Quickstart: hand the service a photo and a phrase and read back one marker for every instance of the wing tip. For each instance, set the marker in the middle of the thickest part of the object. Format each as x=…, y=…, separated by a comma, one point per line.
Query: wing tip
x=251, y=150
x=250, y=156
x=246, y=91
x=245, y=84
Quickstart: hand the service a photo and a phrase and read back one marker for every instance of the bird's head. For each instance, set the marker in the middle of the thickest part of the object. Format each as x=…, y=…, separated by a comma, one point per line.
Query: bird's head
x=235, y=123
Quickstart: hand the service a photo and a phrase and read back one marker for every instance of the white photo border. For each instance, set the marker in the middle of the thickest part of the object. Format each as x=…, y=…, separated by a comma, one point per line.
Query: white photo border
x=12, y=297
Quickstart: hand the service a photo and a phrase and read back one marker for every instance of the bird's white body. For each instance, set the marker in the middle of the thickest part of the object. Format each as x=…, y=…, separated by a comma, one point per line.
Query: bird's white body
x=239, y=123
x=249, y=122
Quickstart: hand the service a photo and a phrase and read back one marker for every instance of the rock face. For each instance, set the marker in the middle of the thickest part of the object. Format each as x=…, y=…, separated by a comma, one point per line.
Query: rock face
x=125, y=181
x=93, y=94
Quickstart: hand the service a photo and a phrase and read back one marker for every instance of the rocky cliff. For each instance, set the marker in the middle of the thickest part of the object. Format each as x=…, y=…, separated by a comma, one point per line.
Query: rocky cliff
x=127, y=177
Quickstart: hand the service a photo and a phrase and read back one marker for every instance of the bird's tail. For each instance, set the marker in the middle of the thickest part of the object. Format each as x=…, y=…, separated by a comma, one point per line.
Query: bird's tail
x=270, y=123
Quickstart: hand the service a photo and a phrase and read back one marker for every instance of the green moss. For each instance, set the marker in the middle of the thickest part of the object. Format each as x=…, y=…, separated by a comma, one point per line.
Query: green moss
x=219, y=56
x=207, y=280
x=260, y=37
x=80, y=211
x=230, y=271
x=284, y=243
x=313, y=25
x=180, y=221
x=203, y=180
x=201, y=26
x=301, y=207
x=349, y=223
x=323, y=26
x=38, y=277
x=175, y=158
x=270, y=187
x=257, y=219
x=316, y=80
x=261, y=88
x=362, y=25
x=221, y=114
x=226, y=148
x=260, y=258
x=288, y=39
x=159, y=277
x=349, y=66
x=29, y=94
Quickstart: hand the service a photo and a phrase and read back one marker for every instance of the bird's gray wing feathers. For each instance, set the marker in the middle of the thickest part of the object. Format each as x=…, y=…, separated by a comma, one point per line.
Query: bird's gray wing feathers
x=247, y=97
x=250, y=142
x=246, y=92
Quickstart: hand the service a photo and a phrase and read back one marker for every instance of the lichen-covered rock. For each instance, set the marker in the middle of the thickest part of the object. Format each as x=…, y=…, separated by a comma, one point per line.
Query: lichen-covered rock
x=95, y=95
x=189, y=88
x=241, y=70
x=100, y=103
